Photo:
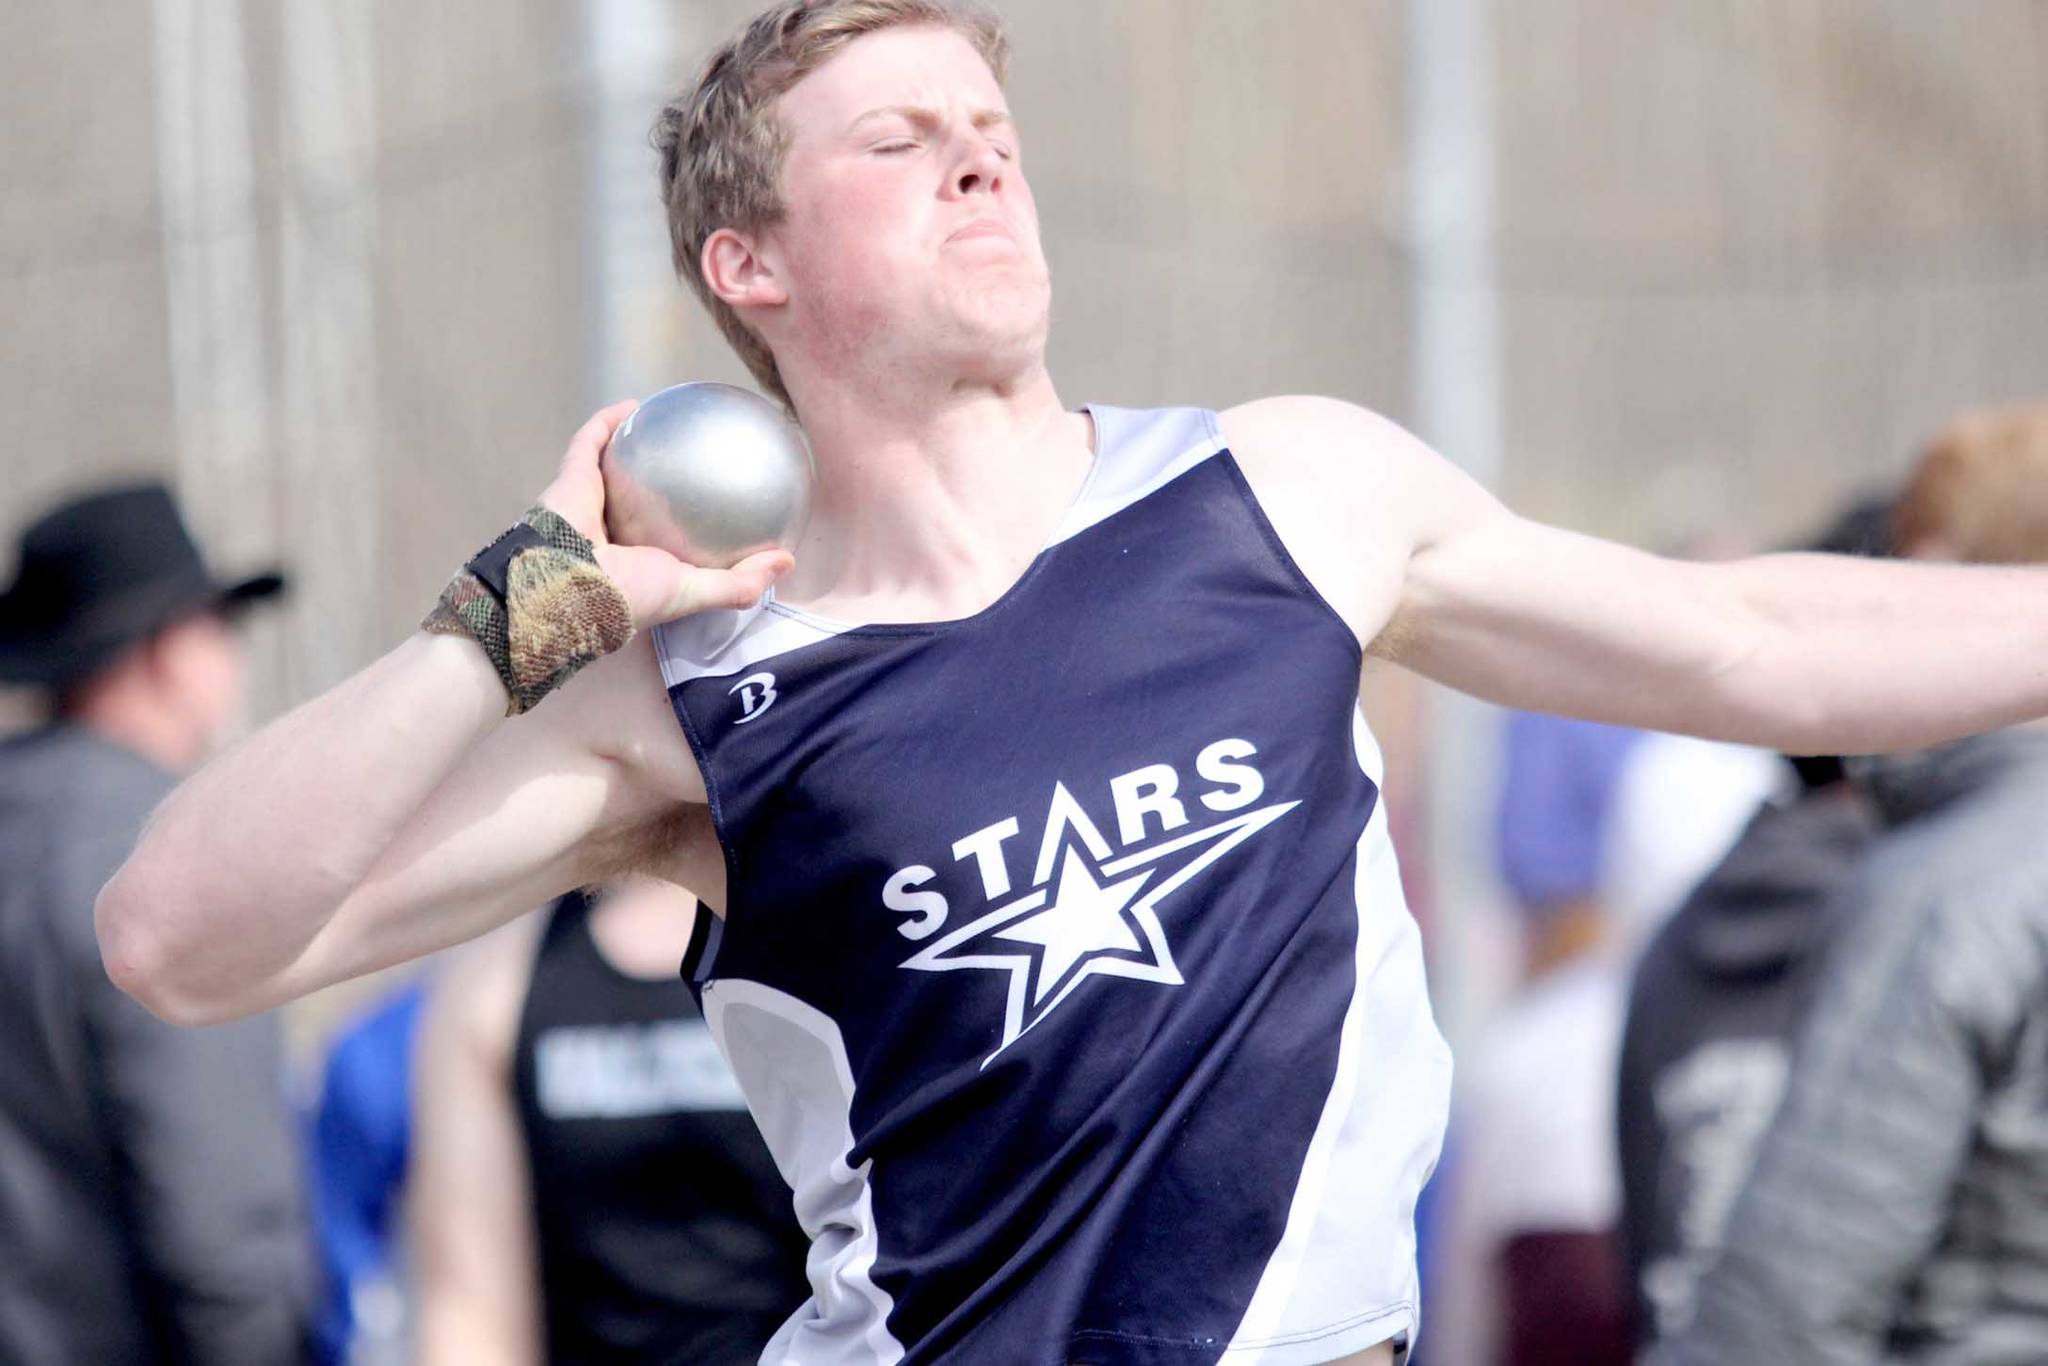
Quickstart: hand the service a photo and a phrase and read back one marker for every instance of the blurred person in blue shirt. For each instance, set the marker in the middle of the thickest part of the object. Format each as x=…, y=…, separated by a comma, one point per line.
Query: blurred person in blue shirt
x=361, y=1139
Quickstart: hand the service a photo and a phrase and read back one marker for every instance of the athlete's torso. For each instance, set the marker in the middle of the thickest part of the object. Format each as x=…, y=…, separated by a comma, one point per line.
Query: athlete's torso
x=1064, y=960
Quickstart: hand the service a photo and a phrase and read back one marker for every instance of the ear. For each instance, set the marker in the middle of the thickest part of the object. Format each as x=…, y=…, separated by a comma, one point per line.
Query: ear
x=739, y=273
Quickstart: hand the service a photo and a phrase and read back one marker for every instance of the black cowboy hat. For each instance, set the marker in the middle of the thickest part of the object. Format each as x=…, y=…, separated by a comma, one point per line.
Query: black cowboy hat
x=101, y=572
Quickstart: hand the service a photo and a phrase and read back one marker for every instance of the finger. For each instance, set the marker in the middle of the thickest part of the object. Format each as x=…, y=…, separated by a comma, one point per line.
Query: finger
x=592, y=437
x=740, y=586
x=577, y=490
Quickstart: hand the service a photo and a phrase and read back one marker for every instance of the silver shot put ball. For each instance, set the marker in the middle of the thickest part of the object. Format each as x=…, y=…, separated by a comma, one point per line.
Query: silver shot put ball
x=708, y=472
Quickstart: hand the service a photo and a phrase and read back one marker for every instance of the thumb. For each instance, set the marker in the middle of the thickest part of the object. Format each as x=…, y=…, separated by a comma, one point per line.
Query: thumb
x=659, y=587
x=740, y=586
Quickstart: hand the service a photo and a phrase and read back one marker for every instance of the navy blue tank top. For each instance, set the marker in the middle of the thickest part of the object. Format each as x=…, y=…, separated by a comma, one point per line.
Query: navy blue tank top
x=1064, y=962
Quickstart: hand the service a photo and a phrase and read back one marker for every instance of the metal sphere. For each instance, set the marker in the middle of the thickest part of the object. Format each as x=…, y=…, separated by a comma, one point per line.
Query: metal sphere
x=708, y=472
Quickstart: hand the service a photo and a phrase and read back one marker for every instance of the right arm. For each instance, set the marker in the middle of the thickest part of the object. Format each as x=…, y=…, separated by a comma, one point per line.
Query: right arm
x=401, y=811
x=469, y=1202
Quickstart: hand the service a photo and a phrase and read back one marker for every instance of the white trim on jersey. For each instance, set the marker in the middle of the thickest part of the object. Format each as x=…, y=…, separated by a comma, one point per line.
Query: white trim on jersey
x=722, y=643
x=1337, y=1285
x=1153, y=447
x=791, y=1063
x=1138, y=451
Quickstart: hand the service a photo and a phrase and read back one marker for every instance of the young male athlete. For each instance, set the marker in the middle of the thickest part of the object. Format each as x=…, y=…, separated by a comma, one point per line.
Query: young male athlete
x=1062, y=960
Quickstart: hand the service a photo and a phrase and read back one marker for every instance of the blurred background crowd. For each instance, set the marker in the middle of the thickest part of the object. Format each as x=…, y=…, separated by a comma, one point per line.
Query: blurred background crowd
x=1751, y=1052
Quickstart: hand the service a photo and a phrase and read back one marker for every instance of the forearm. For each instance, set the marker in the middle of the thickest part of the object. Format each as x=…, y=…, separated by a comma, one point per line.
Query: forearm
x=1858, y=656
x=243, y=864
x=391, y=817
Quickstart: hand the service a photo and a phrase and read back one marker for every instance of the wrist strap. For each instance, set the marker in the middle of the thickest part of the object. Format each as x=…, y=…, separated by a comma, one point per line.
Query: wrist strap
x=538, y=604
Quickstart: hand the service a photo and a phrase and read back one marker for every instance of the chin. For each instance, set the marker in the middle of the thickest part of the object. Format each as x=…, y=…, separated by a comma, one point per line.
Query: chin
x=999, y=356
x=1010, y=316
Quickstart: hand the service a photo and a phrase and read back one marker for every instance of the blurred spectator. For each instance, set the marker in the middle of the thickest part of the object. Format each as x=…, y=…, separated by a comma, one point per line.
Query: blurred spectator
x=1716, y=998
x=1680, y=803
x=1895, y=1208
x=361, y=1142
x=1601, y=830
x=587, y=1184
x=1559, y=779
x=1532, y=1209
x=150, y=1207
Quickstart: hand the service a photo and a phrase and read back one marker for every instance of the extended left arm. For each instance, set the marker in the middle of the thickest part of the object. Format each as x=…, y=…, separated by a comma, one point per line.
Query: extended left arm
x=1801, y=653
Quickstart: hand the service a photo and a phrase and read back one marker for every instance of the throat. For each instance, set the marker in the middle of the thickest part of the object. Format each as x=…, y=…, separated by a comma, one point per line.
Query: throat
x=913, y=540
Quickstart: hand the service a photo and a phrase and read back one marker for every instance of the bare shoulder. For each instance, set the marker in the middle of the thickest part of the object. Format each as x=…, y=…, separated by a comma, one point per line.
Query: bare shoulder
x=1312, y=427
x=1347, y=491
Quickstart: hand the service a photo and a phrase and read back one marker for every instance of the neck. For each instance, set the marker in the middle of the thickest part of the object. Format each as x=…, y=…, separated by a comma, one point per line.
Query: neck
x=932, y=500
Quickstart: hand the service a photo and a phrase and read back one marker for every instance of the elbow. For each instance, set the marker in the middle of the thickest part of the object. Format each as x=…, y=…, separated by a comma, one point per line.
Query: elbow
x=132, y=926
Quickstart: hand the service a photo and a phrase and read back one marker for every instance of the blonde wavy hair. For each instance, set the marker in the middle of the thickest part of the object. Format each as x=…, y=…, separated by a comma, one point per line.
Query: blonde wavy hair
x=722, y=146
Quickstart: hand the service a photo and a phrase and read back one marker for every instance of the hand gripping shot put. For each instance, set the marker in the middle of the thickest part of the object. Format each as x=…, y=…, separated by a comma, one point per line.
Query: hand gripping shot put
x=1058, y=943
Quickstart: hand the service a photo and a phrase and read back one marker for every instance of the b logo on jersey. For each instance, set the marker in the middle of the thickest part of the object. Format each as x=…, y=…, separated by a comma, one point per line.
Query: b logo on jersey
x=1091, y=908
x=756, y=693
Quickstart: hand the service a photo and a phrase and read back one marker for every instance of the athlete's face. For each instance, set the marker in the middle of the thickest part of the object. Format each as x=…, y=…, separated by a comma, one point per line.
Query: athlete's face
x=910, y=232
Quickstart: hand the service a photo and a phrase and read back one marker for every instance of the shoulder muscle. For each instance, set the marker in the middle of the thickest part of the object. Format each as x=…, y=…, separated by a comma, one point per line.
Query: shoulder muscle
x=1351, y=494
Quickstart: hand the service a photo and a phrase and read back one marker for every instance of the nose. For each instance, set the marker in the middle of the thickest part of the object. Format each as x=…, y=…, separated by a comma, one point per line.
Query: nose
x=980, y=170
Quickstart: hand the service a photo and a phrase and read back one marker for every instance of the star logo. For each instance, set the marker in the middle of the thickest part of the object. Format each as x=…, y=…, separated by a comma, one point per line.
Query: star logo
x=1089, y=913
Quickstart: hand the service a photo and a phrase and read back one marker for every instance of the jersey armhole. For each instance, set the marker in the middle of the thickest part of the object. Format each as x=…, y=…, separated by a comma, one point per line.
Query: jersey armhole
x=700, y=957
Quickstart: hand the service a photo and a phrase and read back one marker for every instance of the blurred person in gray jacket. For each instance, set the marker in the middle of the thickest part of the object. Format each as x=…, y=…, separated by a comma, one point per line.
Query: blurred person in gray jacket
x=150, y=1200
x=1897, y=1210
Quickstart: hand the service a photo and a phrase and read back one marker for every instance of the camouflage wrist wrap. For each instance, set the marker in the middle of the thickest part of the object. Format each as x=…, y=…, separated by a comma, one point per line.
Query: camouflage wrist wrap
x=558, y=611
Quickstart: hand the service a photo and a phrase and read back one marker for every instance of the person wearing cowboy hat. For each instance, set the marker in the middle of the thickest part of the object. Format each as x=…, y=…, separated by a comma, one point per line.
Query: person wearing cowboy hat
x=150, y=1203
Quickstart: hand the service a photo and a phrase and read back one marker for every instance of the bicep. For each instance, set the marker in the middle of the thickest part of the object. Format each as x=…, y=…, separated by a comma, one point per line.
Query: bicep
x=468, y=1192
x=1545, y=619
x=546, y=803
